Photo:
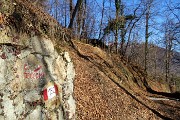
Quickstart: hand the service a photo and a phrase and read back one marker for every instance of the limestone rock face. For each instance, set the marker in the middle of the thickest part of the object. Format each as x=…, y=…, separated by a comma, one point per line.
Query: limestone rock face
x=36, y=81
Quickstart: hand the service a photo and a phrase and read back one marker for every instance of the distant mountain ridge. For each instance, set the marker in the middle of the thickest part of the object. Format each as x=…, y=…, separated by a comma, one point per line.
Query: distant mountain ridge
x=156, y=58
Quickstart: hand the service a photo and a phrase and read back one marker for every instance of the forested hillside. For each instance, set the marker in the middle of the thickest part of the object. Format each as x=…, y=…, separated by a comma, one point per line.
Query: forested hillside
x=145, y=31
x=157, y=63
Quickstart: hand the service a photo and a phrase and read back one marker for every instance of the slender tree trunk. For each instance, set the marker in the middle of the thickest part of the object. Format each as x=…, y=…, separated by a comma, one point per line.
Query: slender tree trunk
x=116, y=40
x=56, y=9
x=168, y=57
x=167, y=63
x=117, y=4
x=148, y=6
x=102, y=16
x=70, y=8
x=146, y=40
x=65, y=16
x=79, y=19
x=78, y=4
x=122, y=41
x=155, y=62
x=84, y=20
x=122, y=30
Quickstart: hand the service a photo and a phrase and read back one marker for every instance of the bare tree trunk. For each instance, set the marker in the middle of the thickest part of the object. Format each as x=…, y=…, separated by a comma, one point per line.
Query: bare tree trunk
x=116, y=40
x=79, y=19
x=146, y=38
x=122, y=31
x=102, y=16
x=117, y=4
x=132, y=27
x=84, y=32
x=70, y=8
x=56, y=9
x=155, y=62
x=168, y=56
x=78, y=4
x=148, y=6
x=167, y=62
x=122, y=41
x=65, y=16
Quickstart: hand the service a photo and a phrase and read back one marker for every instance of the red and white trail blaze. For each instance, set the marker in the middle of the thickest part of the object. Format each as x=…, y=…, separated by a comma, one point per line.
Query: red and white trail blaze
x=50, y=92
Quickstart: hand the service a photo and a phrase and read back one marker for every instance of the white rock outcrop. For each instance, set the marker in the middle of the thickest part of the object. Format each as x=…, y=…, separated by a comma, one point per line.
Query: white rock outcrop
x=27, y=65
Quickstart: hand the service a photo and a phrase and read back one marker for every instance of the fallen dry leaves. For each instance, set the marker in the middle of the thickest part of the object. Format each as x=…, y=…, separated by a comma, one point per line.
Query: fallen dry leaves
x=99, y=98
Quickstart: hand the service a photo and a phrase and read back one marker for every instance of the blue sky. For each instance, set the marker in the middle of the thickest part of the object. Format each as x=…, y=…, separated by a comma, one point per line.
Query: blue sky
x=159, y=8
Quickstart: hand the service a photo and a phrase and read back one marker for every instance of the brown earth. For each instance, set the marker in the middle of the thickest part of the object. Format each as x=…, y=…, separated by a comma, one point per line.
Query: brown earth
x=109, y=88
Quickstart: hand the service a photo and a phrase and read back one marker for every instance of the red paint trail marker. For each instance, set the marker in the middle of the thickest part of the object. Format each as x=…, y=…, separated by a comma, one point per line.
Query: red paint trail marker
x=37, y=69
x=33, y=74
x=50, y=92
x=26, y=67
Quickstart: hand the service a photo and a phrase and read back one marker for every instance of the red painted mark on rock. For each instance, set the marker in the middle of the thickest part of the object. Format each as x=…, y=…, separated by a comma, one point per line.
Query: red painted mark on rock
x=33, y=74
x=37, y=69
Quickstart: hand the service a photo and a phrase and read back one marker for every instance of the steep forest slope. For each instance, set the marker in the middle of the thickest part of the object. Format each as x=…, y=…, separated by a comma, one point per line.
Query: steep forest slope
x=106, y=87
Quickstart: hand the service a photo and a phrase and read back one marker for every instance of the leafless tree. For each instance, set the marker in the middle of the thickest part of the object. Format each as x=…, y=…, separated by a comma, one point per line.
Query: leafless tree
x=148, y=6
x=78, y=4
